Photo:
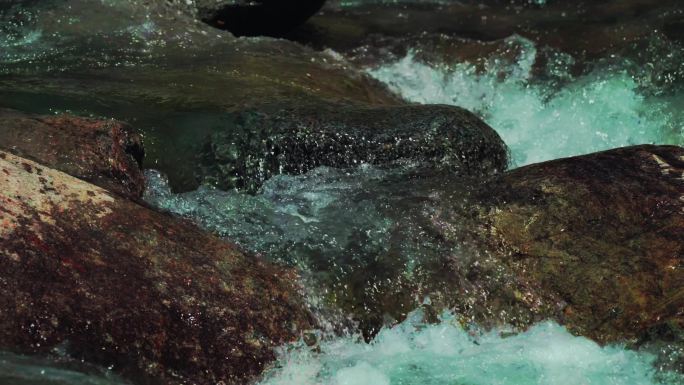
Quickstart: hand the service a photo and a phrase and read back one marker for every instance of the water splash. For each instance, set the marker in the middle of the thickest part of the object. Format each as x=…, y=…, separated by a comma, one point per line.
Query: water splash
x=543, y=119
x=414, y=353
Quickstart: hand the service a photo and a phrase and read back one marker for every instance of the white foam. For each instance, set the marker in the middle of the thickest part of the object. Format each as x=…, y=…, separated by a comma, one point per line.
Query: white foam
x=538, y=120
x=416, y=354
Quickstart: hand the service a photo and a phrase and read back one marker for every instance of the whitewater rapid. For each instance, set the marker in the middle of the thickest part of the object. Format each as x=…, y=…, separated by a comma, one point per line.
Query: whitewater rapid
x=413, y=353
x=562, y=115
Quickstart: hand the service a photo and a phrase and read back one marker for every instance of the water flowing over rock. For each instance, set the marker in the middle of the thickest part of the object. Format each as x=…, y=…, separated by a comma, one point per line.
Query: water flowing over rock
x=106, y=153
x=593, y=242
x=308, y=161
x=251, y=147
x=114, y=283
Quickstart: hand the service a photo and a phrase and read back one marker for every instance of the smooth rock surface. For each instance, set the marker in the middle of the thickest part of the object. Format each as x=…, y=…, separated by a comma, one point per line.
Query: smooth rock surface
x=106, y=280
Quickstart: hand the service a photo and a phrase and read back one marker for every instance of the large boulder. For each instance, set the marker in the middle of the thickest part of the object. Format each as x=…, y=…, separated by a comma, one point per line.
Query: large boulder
x=106, y=280
x=595, y=242
x=252, y=146
x=600, y=237
x=106, y=153
x=154, y=53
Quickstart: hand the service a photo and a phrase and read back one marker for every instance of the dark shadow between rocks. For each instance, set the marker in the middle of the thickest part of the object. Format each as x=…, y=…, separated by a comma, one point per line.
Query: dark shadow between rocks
x=260, y=18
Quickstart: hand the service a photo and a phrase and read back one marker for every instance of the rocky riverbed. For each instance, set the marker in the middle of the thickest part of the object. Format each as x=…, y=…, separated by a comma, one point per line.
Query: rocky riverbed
x=413, y=192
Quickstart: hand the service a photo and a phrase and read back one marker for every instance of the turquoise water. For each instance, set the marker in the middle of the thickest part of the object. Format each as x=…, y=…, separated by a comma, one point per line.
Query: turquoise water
x=559, y=115
x=23, y=370
x=413, y=353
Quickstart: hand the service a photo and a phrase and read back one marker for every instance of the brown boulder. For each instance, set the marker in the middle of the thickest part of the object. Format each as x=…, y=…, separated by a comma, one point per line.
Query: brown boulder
x=117, y=284
x=600, y=236
x=106, y=153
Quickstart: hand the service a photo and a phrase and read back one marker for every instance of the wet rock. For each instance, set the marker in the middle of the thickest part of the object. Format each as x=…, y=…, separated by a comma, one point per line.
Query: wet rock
x=258, y=18
x=253, y=146
x=152, y=64
x=584, y=29
x=600, y=235
x=147, y=52
x=109, y=281
x=593, y=242
x=106, y=153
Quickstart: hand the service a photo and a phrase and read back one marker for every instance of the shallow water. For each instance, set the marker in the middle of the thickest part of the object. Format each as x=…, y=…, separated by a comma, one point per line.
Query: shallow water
x=24, y=370
x=361, y=237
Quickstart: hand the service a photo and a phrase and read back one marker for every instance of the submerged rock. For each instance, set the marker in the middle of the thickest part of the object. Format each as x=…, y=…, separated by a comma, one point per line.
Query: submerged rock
x=599, y=235
x=109, y=281
x=260, y=17
x=253, y=146
x=106, y=153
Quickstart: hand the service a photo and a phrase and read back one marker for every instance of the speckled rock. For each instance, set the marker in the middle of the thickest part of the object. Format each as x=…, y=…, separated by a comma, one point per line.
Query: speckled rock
x=114, y=283
x=599, y=236
x=104, y=152
x=253, y=146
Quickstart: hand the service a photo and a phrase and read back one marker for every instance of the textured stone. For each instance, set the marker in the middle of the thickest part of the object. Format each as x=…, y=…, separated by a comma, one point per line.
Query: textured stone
x=602, y=235
x=253, y=146
x=116, y=284
x=106, y=153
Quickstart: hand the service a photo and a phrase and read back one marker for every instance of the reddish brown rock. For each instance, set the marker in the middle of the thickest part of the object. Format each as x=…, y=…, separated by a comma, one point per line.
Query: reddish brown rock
x=106, y=153
x=601, y=235
x=117, y=284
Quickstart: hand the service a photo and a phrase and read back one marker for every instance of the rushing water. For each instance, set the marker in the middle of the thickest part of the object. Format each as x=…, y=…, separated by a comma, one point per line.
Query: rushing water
x=607, y=107
x=23, y=370
x=339, y=220
x=413, y=353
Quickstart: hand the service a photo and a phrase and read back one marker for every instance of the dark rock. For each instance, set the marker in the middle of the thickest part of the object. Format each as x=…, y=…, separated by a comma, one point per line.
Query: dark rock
x=583, y=29
x=253, y=146
x=116, y=284
x=106, y=153
x=151, y=64
x=258, y=17
x=601, y=234
x=675, y=30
